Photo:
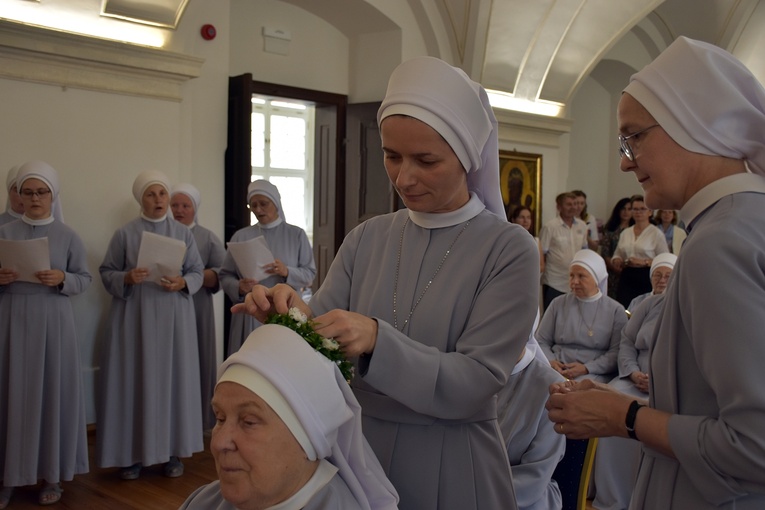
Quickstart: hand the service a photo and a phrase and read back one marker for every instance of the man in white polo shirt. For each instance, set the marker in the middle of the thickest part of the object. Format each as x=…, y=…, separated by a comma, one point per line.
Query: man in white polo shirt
x=561, y=238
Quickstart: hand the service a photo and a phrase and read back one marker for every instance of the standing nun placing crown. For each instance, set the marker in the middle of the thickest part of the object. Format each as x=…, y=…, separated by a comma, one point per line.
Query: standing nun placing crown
x=436, y=301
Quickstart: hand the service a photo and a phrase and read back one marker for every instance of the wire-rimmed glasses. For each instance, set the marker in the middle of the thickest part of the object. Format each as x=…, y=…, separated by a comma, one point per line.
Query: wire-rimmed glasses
x=624, y=146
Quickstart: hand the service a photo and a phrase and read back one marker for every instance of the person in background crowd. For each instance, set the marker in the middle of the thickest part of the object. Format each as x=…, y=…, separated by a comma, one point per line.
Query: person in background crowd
x=637, y=247
x=666, y=220
x=561, y=238
x=401, y=297
x=621, y=218
x=148, y=405
x=704, y=154
x=593, y=237
x=580, y=331
x=522, y=216
x=184, y=203
x=294, y=263
x=14, y=206
x=42, y=407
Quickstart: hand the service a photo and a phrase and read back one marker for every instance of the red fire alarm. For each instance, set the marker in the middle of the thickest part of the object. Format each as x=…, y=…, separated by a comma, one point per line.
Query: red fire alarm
x=208, y=32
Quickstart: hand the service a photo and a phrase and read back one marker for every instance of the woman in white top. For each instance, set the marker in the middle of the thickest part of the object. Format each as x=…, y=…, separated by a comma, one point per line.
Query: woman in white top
x=637, y=247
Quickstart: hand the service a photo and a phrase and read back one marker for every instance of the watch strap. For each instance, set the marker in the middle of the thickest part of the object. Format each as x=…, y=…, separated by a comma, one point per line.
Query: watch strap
x=629, y=421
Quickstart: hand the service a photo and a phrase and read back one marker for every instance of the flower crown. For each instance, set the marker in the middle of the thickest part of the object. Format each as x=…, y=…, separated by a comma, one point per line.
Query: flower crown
x=298, y=322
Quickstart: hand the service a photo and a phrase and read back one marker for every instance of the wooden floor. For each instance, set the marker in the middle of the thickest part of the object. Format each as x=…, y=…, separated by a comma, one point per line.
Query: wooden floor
x=102, y=489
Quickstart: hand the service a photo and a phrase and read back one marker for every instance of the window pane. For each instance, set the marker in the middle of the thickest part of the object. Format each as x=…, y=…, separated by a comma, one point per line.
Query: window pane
x=287, y=142
x=258, y=141
x=292, y=190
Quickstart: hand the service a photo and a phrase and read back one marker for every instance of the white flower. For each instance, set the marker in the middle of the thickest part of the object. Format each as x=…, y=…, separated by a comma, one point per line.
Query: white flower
x=297, y=315
x=330, y=344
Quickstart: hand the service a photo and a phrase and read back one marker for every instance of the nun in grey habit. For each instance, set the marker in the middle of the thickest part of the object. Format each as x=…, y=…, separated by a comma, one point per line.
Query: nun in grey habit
x=294, y=264
x=437, y=301
x=212, y=252
x=42, y=411
x=149, y=401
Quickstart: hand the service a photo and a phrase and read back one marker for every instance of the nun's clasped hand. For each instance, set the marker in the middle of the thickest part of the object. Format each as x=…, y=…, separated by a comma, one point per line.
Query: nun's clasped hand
x=173, y=283
x=8, y=276
x=50, y=277
x=587, y=409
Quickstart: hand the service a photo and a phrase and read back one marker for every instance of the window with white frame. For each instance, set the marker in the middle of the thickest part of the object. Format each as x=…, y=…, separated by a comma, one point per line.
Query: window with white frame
x=282, y=153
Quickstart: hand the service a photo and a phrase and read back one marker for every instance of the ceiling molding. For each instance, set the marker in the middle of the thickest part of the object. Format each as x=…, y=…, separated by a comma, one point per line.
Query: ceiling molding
x=41, y=55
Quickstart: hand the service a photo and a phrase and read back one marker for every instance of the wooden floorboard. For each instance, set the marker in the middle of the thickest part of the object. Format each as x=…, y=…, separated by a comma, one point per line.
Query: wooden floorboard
x=102, y=489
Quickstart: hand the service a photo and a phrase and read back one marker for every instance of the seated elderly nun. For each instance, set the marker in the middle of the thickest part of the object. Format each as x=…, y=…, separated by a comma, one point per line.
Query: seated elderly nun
x=288, y=433
x=617, y=458
x=533, y=447
x=661, y=268
x=580, y=330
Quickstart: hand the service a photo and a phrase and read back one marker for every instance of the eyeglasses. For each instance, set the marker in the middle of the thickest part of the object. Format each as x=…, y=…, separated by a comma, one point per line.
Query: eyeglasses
x=624, y=147
x=39, y=193
x=640, y=209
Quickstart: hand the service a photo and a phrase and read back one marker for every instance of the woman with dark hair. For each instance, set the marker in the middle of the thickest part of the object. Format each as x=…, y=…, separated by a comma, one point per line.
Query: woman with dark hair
x=523, y=217
x=621, y=218
x=637, y=247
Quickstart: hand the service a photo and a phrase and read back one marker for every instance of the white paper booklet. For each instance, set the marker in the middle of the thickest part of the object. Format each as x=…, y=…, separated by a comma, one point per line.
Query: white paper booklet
x=251, y=257
x=161, y=255
x=25, y=257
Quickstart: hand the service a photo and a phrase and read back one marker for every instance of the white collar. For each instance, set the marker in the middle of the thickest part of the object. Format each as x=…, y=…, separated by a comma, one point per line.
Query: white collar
x=158, y=220
x=37, y=223
x=302, y=497
x=590, y=299
x=718, y=189
x=278, y=221
x=15, y=214
x=468, y=211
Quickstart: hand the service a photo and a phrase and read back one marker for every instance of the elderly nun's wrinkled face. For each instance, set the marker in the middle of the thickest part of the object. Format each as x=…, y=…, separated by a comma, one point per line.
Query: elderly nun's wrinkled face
x=259, y=461
x=154, y=201
x=264, y=209
x=37, y=198
x=423, y=168
x=660, y=279
x=582, y=283
x=183, y=208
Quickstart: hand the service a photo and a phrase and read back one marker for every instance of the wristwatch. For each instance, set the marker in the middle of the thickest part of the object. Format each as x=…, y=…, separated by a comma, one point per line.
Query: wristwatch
x=629, y=421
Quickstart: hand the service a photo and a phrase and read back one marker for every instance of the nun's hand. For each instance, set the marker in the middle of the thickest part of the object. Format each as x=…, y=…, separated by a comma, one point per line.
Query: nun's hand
x=573, y=370
x=263, y=301
x=356, y=333
x=585, y=409
x=50, y=277
x=8, y=276
x=173, y=283
x=136, y=276
x=277, y=267
x=246, y=285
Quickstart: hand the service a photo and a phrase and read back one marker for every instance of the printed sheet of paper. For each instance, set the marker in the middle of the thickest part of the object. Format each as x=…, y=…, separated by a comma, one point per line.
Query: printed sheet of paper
x=161, y=255
x=25, y=257
x=251, y=256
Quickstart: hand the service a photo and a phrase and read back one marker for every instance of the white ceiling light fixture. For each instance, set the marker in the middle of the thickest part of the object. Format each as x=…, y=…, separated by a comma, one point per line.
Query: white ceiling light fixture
x=506, y=101
x=157, y=13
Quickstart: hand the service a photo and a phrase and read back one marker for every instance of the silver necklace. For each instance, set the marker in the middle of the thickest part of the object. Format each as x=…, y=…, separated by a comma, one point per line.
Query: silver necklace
x=398, y=265
x=590, y=332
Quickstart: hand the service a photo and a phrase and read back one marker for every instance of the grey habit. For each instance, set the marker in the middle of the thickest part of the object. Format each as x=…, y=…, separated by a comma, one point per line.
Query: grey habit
x=533, y=446
x=42, y=409
x=706, y=363
x=149, y=389
x=212, y=253
x=562, y=334
x=428, y=393
x=289, y=244
x=7, y=217
x=617, y=458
